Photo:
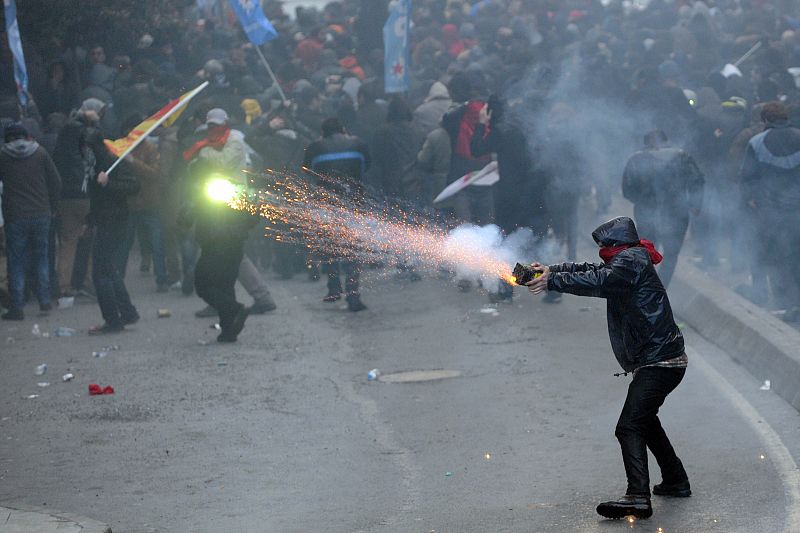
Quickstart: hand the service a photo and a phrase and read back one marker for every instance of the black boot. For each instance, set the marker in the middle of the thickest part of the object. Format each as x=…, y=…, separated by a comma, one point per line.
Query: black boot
x=681, y=489
x=628, y=505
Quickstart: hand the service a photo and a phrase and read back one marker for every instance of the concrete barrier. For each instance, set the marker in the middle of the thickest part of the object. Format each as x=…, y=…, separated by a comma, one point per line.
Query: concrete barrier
x=765, y=346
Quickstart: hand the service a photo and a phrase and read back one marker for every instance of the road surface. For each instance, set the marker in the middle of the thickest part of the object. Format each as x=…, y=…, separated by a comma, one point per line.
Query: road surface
x=282, y=432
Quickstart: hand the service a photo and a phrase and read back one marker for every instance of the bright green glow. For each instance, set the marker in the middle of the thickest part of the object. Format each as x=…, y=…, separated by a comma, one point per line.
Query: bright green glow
x=220, y=189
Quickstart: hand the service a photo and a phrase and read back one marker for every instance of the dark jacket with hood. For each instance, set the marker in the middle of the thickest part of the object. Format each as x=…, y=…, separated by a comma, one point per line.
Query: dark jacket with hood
x=31, y=184
x=640, y=323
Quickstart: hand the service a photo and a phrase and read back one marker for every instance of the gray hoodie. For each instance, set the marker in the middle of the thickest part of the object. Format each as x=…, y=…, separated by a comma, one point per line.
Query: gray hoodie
x=31, y=183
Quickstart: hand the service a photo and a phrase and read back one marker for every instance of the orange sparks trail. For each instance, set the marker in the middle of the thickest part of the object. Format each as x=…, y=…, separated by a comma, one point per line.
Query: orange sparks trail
x=335, y=218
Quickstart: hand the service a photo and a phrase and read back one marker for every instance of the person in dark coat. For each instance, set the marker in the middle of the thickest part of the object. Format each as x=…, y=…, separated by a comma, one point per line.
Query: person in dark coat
x=31, y=187
x=770, y=177
x=108, y=217
x=646, y=342
x=339, y=161
x=666, y=187
x=396, y=146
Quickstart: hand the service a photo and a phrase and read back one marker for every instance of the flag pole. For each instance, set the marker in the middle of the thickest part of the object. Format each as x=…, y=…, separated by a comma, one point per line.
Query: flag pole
x=152, y=128
x=271, y=74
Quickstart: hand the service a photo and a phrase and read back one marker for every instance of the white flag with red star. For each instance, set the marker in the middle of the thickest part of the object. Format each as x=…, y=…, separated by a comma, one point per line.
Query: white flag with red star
x=395, y=42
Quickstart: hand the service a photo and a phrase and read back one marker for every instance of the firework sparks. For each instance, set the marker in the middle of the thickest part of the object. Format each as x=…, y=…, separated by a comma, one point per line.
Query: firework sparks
x=335, y=218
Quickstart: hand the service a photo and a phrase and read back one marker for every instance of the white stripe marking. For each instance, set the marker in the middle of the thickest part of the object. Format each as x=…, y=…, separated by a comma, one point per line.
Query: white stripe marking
x=776, y=450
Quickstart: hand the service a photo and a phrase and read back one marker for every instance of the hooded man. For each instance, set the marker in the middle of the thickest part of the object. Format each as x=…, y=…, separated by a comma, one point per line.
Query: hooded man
x=646, y=342
x=428, y=115
x=31, y=186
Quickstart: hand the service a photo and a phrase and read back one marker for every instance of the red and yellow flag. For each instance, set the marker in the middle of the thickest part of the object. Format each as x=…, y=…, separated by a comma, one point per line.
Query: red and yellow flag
x=166, y=116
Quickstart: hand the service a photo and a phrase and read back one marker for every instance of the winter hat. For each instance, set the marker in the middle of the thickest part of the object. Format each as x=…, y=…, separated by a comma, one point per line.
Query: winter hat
x=252, y=109
x=217, y=116
x=92, y=104
x=15, y=130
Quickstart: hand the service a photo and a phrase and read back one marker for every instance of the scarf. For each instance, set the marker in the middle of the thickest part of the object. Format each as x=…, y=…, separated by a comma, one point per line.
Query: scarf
x=216, y=139
x=607, y=253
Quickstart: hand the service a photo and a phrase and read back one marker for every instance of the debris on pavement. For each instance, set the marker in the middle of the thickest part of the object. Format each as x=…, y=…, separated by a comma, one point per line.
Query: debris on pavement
x=41, y=369
x=100, y=354
x=36, y=331
x=489, y=310
x=373, y=374
x=66, y=302
x=97, y=390
x=766, y=386
x=65, y=332
x=43, y=384
x=164, y=313
x=31, y=396
x=448, y=474
x=69, y=376
x=584, y=309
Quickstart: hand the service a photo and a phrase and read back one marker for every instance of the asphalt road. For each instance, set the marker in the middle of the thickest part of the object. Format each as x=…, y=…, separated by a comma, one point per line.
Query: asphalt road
x=283, y=433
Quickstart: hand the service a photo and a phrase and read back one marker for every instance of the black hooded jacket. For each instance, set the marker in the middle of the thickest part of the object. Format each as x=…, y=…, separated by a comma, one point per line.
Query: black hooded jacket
x=640, y=323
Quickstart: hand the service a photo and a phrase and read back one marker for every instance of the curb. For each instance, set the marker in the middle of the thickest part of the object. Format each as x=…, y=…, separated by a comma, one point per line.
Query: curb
x=764, y=345
x=38, y=520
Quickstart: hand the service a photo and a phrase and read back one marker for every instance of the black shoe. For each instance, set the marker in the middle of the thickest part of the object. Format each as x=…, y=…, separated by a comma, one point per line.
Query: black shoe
x=237, y=324
x=628, y=505
x=222, y=337
x=132, y=319
x=45, y=309
x=261, y=308
x=332, y=298
x=105, y=329
x=682, y=489
x=187, y=285
x=355, y=306
x=206, y=312
x=13, y=314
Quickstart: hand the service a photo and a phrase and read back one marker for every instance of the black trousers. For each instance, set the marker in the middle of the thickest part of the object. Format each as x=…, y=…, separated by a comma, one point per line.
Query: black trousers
x=639, y=428
x=352, y=272
x=112, y=295
x=215, y=279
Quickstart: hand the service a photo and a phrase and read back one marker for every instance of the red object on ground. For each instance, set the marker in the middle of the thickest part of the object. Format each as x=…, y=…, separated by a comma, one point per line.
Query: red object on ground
x=96, y=390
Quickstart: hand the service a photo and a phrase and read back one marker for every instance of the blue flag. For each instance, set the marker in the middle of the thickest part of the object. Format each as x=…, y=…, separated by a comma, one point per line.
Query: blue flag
x=257, y=27
x=395, y=42
x=14, y=43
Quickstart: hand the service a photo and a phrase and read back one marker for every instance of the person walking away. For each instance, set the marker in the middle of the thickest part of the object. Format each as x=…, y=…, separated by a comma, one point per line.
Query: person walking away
x=647, y=344
x=770, y=177
x=108, y=217
x=30, y=191
x=666, y=187
x=343, y=159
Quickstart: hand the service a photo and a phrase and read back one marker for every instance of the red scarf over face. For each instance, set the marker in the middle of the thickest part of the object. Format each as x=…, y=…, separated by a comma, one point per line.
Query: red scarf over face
x=607, y=253
x=216, y=138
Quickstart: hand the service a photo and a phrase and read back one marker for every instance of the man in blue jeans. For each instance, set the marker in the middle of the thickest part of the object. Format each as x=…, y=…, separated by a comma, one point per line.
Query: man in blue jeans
x=646, y=343
x=31, y=188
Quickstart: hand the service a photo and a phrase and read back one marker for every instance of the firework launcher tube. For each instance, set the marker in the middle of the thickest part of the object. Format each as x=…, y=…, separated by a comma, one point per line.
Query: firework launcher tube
x=525, y=274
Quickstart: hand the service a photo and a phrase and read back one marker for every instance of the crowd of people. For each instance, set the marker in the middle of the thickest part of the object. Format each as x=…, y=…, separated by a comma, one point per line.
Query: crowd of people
x=687, y=108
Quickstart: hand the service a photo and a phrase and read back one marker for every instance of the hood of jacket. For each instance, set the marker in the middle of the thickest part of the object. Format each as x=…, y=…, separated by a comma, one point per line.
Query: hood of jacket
x=616, y=232
x=438, y=91
x=20, y=148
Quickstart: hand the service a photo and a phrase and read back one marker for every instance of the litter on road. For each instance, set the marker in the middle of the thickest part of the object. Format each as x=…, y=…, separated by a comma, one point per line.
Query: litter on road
x=97, y=390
